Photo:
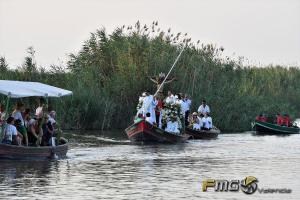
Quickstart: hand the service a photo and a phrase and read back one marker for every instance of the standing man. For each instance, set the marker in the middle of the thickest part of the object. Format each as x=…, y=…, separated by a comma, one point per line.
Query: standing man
x=203, y=108
x=186, y=106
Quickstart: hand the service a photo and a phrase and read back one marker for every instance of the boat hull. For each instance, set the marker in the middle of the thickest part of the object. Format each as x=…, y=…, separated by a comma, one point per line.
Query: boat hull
x=144, y=132
x=265, y=128
x=203, y=134
x=22, y=152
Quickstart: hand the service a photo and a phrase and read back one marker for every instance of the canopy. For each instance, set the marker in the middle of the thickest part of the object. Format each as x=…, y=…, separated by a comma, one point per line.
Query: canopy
x=19, y=89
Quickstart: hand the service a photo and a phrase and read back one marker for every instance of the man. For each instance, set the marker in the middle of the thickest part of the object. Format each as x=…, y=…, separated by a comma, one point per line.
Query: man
x=186, y=105
x=203, y=108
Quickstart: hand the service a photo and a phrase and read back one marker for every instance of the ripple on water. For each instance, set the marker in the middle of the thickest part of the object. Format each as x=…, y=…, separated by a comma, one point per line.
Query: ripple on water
x=104, y=168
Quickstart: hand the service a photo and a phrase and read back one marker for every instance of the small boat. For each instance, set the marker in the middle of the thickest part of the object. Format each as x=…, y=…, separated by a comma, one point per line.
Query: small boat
x=264, y=128
x=203, y=134
x=143, y=131
x=25, y=153
x=22, y=89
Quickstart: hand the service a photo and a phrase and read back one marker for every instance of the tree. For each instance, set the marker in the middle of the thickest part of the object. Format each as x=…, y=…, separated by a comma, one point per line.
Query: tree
x=3, y=64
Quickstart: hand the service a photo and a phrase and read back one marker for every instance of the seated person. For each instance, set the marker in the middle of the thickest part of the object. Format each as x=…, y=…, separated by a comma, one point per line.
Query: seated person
x=48, y=131
x=150, y=119
x=173, y=126
x=11, y=135
x=32, y=132
x=21, y=129
x=279, y=119
x=205, y=122
x=261, y=118
x=286, y=121
x=209, y=121
x=196, y=122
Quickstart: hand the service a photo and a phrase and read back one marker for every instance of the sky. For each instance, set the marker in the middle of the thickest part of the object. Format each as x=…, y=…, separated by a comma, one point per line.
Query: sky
x=263, y=31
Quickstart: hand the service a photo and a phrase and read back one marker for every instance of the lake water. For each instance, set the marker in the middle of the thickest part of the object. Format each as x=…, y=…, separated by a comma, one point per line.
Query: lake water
x=107, y=166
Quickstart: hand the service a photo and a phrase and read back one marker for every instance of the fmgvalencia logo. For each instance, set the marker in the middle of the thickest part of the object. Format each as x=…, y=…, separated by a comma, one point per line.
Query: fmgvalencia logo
x=247, y=185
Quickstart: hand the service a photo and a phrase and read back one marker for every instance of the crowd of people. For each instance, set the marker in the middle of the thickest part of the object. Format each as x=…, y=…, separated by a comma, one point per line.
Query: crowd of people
x=173, y=112
x=22, y=127
x=281, y=120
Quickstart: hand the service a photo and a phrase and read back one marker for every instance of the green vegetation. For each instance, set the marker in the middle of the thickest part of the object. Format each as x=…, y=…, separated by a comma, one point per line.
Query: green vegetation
x=110, y=71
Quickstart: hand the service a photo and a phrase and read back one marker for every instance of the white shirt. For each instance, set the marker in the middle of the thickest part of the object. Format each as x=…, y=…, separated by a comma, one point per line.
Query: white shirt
x=205, y=122
x=150, y=120
x=9, y=131
x=185, y=105
x=172, y=127
x=18, y=115
x=203, y=110
x=209, y=121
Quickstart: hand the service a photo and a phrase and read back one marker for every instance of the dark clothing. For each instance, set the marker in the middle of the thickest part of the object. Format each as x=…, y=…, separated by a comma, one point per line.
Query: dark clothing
x=186, y=120
x=47, y=133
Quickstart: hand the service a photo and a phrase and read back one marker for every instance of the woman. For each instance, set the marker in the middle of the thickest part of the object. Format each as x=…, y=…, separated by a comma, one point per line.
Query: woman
x=17, y=113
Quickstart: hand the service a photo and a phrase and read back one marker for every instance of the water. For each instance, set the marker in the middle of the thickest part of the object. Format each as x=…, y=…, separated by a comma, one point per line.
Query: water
x=109, y=167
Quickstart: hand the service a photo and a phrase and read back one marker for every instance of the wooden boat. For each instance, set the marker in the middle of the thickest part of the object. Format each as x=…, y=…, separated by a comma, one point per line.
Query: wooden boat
x=22, y=89
x=203, y=134
x=273, y=129
x=143, y=131
x=23, y=152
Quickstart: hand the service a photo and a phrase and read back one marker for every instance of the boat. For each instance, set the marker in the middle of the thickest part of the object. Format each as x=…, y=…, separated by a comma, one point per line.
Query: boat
x=21, y=89
x=203, y=134
x=39, y=153
x=265, y=128
x=144, y=132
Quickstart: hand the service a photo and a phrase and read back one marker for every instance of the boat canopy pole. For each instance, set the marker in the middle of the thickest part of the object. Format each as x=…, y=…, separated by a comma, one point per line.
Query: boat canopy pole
x=169, y=71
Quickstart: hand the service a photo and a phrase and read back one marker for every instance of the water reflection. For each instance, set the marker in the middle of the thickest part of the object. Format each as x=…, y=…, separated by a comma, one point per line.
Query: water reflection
x=99, y=167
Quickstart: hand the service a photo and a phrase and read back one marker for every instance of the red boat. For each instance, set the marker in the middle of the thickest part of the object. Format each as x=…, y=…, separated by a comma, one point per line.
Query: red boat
x=22, y=152
x=143, y=131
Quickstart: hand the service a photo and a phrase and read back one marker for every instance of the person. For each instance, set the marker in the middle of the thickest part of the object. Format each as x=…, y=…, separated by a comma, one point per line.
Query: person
x=279, y=119
x=205, y=124
x=48, y=132
x=2, y=114
x=261, y=118
x=173, y=126
x=17, y=113
x=158, y=109
x=196, y=122
x=149, y=105
x=286, y=121
x=39, y=110
x=186, y=105
x=22, y=130
x=51, y=117
x=150, y=119
x=11, y=135
x=170, y=98
x=31, y=131
x=209, y=121
x=203, y=108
